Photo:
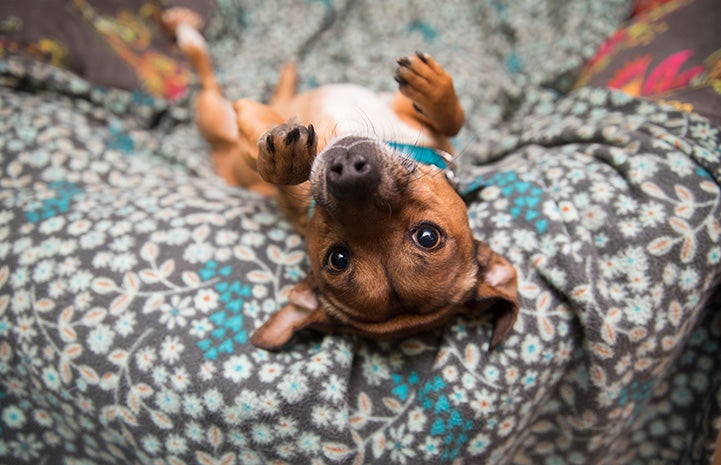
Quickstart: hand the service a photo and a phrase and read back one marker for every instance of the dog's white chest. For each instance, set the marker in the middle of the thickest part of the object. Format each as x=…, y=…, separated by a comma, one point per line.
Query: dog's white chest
x=360, y=111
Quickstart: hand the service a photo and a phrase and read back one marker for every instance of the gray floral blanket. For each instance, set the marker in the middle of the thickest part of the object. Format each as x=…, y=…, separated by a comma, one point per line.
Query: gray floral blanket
x=131, y=277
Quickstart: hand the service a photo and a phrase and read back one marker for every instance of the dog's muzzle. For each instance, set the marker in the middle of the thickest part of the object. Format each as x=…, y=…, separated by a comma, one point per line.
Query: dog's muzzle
x=352, y=172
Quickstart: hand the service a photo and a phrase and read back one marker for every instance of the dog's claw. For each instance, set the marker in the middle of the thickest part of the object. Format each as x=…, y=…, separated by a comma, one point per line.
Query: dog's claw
x=311, y=136
x=400, y=80
x=403, y=61
x=422, y=56
x=292, y=136
x=417, y=108
x=269, y=142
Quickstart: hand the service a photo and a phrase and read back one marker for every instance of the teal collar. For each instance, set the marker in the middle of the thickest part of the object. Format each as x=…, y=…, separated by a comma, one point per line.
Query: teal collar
x=425, y=155
x=428, y=156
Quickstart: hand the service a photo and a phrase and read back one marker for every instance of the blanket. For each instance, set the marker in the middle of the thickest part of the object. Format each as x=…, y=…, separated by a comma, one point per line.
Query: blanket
x=131, y=277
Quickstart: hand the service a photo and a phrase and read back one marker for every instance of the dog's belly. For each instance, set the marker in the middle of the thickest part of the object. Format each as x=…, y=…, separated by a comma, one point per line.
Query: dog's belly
x=356, y=110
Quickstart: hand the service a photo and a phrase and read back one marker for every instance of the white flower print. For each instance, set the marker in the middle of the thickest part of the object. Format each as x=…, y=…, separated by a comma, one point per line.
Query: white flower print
x=506, y=426
x=80, y=281
x=293, y=387
x=199, y=252
x=531, y=349
x=259, y=291
x=44, y=271
x=431, y=447
x=704, y=131
x=168, y=401
x=625, y=205
x=122, y=244
x=714, y=255
x=286, y=426
x=593, y=218
x=192, y=405
x=269, y=403
x=151, y=444
x=268, y=372
x=180, y=379
x=318, y=364
x=52, y=225
x=51, y=378
x=253, y=239
x=416, y=420
x=629, y=228
x=261, y=434
x=170, y=349
x=680, y=164
x=602, y=192
x=639, y=309
x=145, y=358
x=206, y=300
x=100, y=339
x=399, y=443
x=13, y=417
x=375, y=369
x=652, y=214
x=68, y=266
x=123, y=262
x=27, y=447
x=206, y=371
x=237, y=368
x=333, y=389
x=688, y=279
x=567, y=211
x=670, y=274
x=176, y=444
x=213, y=400
x=199, y=328
x=642, y=168
x=248, y=403
x=309, y=442
x=321, y=415
x=176, y=312
x=478, y=444
x=226, y=237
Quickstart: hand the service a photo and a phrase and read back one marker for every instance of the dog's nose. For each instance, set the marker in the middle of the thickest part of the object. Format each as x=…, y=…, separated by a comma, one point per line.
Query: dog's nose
x=352, y=173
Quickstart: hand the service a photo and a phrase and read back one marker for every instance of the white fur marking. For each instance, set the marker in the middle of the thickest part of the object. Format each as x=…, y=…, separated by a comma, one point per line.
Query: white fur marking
x=189, y=36
x=498, y=275
x=360, y=111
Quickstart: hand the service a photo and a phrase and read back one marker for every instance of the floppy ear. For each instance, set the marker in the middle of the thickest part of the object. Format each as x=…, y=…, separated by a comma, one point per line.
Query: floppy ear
x=496, y=290
x=303, y=311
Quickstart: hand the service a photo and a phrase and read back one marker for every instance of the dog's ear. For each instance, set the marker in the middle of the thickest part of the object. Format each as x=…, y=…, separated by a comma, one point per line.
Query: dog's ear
x=303, y=311
x=497, y=290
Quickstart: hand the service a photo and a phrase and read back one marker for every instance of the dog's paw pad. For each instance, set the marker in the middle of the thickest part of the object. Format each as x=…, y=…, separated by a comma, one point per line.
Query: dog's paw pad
x=286, y=153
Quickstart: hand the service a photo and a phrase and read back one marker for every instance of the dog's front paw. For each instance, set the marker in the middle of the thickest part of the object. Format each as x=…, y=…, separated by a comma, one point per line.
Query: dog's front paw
x=430, y=87
x=286, y=153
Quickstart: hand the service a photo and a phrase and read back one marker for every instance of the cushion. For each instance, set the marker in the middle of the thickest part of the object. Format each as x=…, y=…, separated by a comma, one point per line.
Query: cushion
x=671, y=51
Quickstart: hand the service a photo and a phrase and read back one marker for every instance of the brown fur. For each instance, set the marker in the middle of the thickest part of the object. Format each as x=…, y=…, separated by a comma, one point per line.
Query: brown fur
x=391, y=283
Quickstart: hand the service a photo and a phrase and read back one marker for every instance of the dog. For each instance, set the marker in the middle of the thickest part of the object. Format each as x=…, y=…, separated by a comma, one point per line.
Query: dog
x=388, y=238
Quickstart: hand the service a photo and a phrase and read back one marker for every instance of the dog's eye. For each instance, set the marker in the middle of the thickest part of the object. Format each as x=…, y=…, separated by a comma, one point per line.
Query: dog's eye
x=427, y=237
x=338, y=259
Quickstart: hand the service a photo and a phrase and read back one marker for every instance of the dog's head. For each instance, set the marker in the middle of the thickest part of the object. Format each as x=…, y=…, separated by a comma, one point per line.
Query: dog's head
x=391, y=252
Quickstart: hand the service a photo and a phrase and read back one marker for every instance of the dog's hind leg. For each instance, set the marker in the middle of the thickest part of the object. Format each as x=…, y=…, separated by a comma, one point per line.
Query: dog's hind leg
x=287, y=82
x=214, y=114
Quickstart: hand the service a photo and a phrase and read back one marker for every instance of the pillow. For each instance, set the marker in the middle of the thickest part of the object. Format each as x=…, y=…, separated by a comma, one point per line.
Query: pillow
x=112, y=43
x=670, y=52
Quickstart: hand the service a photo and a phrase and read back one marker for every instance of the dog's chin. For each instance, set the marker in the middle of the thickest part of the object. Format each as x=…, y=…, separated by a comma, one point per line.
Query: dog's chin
x=391, y=325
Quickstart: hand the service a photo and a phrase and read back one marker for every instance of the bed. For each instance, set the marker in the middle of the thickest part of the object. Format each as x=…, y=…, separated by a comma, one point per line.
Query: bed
x=131, y=277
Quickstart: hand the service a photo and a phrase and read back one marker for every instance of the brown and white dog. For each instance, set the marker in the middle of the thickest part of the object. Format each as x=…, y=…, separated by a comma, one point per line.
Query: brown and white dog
x=390, y=248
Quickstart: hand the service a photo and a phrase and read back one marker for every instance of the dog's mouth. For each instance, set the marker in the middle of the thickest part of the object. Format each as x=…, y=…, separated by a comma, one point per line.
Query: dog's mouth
x=361, y=172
